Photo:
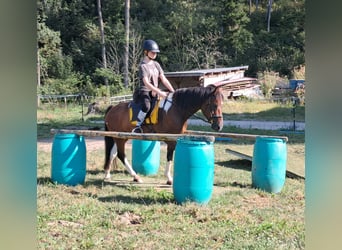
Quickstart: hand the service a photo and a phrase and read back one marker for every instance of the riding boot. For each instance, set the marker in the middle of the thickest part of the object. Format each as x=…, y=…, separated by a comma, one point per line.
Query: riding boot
x=141, y=117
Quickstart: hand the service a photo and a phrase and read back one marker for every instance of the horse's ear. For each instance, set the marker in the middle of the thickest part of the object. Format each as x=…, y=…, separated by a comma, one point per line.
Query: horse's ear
x=215, y=87
x=212, y=87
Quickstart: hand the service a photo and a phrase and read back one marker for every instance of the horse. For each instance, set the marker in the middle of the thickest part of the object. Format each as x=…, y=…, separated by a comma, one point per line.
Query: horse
x=173, y=113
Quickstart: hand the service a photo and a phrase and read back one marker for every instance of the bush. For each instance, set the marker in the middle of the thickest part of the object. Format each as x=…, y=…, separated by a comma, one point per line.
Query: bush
x=69, y=85
x=114, y=81
x=267, y=80
x=59, y=66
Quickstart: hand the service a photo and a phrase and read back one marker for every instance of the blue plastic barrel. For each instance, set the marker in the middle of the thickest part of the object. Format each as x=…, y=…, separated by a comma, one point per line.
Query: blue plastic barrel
x=145, y=156
x=193, y=175
x=294, y=83
x=269, y=164
x=68, y=159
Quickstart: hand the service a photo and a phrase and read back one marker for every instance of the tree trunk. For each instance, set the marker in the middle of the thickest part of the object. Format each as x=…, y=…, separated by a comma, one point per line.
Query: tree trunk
x=127, y=7
x=249, y=6
x=103, y=47
x=269, y=10
x=38, y=75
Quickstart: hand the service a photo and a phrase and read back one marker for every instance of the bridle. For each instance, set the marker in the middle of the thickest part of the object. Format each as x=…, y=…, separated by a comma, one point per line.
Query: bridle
x=212, y=112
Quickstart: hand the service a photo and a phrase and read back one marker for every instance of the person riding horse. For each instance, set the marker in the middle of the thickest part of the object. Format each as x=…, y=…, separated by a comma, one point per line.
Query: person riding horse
x=148, y=90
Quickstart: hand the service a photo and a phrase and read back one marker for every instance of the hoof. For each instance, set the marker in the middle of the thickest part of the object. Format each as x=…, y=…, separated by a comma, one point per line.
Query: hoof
x=107, y=176
x=169, y=182
x=137, y=179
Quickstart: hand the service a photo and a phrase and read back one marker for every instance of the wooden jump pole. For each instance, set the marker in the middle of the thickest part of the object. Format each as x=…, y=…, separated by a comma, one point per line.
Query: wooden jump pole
x=197, y=135
x=128, y=135
x=232, y=135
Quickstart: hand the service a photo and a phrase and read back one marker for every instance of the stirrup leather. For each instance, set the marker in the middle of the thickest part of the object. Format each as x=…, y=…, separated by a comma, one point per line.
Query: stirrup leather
x=137, y=129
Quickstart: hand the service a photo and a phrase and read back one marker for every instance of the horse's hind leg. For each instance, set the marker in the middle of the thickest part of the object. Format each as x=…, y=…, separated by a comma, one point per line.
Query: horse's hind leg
x=122, y=157
x=110, y=153
x=169, y=156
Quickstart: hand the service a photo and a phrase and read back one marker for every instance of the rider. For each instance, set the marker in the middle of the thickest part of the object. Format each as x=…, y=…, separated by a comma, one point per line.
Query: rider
x=148, y=91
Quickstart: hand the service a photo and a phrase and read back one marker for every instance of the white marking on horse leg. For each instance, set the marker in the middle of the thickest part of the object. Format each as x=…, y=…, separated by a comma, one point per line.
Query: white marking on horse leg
x=131, y=171
x=113, y=153
x=167, y=172
x=129, y=167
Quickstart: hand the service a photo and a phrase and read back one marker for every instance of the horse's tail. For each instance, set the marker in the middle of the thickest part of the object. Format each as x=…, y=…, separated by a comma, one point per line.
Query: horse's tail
x=109, y=143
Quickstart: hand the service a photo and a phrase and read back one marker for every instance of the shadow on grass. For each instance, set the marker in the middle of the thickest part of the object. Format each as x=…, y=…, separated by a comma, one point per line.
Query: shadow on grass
x=143, y=200
x=240, y=185
x=44, y=181
x=233, y=184
x=246, y=165
x=101, y=172
x=236, y=164
x=240, y=164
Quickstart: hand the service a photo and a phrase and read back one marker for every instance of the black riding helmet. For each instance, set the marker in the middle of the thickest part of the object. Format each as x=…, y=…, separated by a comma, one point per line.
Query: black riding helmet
x=151, y=45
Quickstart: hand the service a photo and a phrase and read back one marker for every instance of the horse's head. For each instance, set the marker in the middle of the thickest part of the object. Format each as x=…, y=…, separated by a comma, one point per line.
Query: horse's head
x=212, y=108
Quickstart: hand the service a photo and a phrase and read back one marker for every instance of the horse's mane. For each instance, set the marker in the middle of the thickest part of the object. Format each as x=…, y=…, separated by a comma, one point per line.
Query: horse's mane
x=195, y=96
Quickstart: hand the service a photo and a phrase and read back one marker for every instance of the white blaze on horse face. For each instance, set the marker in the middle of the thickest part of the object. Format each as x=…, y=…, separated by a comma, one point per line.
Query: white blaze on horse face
x=166, y=103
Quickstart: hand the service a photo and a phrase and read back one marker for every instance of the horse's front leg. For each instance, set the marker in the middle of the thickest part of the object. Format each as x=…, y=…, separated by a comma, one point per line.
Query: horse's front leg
x=167, y=173
x=123, y=159
x=169, y=157
x=112, y=155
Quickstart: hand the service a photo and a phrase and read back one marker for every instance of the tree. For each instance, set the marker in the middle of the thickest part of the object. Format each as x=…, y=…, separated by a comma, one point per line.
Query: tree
x=135, y=56
x=126, y=77
x=103, y=46
x=282, y=48
x=191, y=34
x=49, y=45
x=204, y=50
x=269, y=10
x=234, y=20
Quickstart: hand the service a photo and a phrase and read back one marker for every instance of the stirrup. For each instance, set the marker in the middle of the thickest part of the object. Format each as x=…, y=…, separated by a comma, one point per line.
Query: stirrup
x=137, y=129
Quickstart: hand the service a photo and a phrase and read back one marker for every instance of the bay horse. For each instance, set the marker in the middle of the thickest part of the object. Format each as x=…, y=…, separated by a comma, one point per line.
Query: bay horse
x=173, y=113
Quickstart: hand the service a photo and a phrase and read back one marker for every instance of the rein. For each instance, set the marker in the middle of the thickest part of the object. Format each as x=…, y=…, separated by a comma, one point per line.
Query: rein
x=208, y=121
x=211, y=111
x=198, y=117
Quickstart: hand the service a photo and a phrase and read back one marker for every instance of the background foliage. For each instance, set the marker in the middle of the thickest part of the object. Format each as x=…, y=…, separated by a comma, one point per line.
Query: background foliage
x=192, y=34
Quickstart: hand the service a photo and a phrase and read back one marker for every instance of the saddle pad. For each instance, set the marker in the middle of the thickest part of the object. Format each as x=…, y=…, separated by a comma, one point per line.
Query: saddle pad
x=151, y=117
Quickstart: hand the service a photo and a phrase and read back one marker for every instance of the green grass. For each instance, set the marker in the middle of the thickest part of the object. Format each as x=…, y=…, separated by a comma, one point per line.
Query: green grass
x=102, y=215
x=262, y=110
x=99, y=215
x=59, y=117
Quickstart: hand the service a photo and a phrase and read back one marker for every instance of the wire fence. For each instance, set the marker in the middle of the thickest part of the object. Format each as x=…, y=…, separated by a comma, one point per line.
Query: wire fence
x=81, y=99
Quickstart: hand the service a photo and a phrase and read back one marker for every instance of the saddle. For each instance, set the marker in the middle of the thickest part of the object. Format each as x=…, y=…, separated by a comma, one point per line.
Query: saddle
x=151, y=117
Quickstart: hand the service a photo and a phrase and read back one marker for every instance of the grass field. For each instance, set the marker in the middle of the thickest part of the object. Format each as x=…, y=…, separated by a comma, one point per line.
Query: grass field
x=109, y=215
x=262, y=110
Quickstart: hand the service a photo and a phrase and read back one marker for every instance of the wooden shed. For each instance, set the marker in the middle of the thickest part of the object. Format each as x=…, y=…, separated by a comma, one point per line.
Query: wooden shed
x=232, y=79
x=204, y=77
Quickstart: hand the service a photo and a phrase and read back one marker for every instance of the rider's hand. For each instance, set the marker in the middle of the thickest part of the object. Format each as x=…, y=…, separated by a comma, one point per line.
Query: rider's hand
x=163, y=94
